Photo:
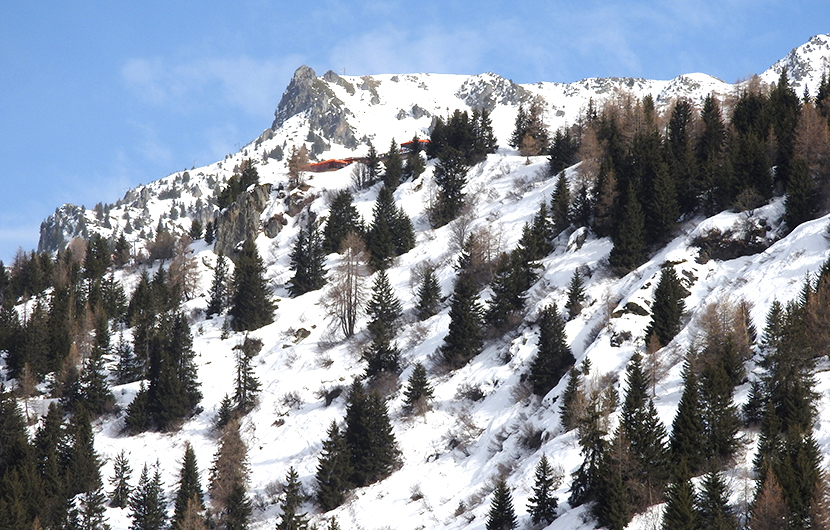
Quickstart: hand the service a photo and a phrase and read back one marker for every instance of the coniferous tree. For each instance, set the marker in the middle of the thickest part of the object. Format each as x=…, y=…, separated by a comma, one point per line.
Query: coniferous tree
x=290, y=505
x=414, y=165
x=246, y=385
x=568, y=413
x=251, y=305
x=333, y=470
x=629, y=240
x=563, y=151
x=712, y=163
x=542, y=232
x=121, y=253
x=95, y=394
x=576, y=295
x=713, y=507
x=680, y=155
x=667, y=308
x=147, y=505
x=451, y=177
x=189, y=493
x=210, y=232
x=801, y=195
x=720, y=416
x=120, y=480
x=83, y=464
x=680, y=512
x=429, y=295
x=514, y=275
x=554, y=356
x=612, y=508
x=501, y=515
x=464, y=338
x=687, y=442
x=418, y=391
x=769, y=511
x=561, y=205
x=394, y=167
x=585, y=481
x=307, y=262
x=219, y=287
x=225, y=414
x=369, y=437
x=229, y=480
x=343, y=218
x=542, y=504
x=385, y=309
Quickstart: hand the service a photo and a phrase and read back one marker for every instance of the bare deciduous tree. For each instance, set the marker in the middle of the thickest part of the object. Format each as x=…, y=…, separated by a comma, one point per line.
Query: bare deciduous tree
x=344, y=300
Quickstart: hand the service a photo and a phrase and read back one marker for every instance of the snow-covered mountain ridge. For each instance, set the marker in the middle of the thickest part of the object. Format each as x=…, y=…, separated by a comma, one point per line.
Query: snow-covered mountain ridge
x=484, y=424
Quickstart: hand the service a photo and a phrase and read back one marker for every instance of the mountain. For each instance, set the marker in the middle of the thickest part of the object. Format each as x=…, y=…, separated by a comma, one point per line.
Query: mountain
x=485, y=424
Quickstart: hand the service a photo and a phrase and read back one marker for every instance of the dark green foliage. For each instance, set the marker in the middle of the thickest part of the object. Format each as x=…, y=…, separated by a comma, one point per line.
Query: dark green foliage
x=418, y=391
x=784, y=107
x=369, y=437
x=290, y=505
x=394, y=167
x=130, y=368
x=137, y=418
x=226, y=412
x=82, y=462
x=561, y=205
x=568, y=413
x=219, y=287
x=120, y=481
x=415, y=164
x=95, y=395
x=710, y=152
x=237, y=184
x=190, y=488
x=629, y=239
x=307, y=261
x=121, y=253
x=514, y=276
x=585, y=481
x=246, y=385
x=147, y=504
x=384, y=309
x=530, y=134
x=680, y=156
x=611, y=506
x=464, y=337
x=391, y=233
x=721, y=420
x=89, y=513
x=667, y=308
x=251, y=305
x=542, y=504
x=472, y=138
x=98, y=257
x=429, y=295
x=576, y=295
x=801, y=203
x=688, y=440
x=113, y=299
x=343, y=218
x=563, y=151
x=714, y=512
x=542, y=232
x=451, y=177
x=196, y=230
x=238, y=509
x=333, y=470
x=210, y=232
x=553, y=357
x=501, y=515
x=680, y=513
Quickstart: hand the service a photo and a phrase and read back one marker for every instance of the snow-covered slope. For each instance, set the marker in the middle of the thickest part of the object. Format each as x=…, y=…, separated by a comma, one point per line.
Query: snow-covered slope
x=452, y=455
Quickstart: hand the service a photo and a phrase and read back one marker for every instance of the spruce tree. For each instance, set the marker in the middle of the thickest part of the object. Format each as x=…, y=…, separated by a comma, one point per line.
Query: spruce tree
x=542, y=504
x=612, y=508
x=394, y=167
x=667, y=308
x=246, y=385
x=429, y=295
x=554, y=356
x=585, y=481
x=384, y=309
x=629, y=239
x=90, y=511
x=147, y=505
x=713, y=507
x=83, y=463
x=680, y=512
x=687, y=442
x=251, y=305
x=290, y=505
x=720, y=416
x=801, y=196
x=418, y=391
x=576, y=295
x=120, y=480
x=501, y=515
x=189, y=493
x=414, y=165
x=561, y=205
x=343, y=218
x=563, y=151
x=369, y=437
x=464, y=338
x=451, y=177
x=333, y=470
x=218, y=300
x=568, y=413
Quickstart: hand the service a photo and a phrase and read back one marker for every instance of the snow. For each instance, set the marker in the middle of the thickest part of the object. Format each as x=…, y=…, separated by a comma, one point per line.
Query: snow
x=436, y=478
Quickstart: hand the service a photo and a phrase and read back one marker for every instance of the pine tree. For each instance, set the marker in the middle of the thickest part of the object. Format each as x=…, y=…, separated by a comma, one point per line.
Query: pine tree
x=501, y=515
x=219, y=287
x=801, y=196
x=612, y=508
x=369, y=437
x=429, y=295
x=251, y=305
x=343, y=218
x=576, y=294
x=333, y=470
x=687, y=441
x=83, y=464
x=542, y=504
x=713, y=507
x=147, y=505
x=385, y=309
x=720, y=416
x=394, y=167
x=246, y=385
x=307, y=262
x=290, y=505
x=418, y=391
x=561, y=205
x=563, y=151
x=514, y=275
x=667, y=308
x=711, y=159
x=680, y=513
x=189, y=493
x=138, y=417
x=95, y=392
x=210, y=232
x=464, y=338
x=680, y=155
x=120, y=480
x=629, y=240
x=554, y=356
x=451, y=177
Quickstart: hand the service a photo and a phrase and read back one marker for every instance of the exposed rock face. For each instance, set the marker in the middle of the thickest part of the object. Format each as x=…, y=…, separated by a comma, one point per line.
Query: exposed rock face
x=488, y=90
x=327, y=115
x=67, y=222
x=241, y=219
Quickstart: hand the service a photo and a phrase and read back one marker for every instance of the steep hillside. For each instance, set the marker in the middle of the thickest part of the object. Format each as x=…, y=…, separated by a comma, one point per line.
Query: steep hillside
x=484, y=422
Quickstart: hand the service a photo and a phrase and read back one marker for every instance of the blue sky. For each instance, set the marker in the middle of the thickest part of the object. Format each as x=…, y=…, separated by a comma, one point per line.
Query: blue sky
x=99, y=96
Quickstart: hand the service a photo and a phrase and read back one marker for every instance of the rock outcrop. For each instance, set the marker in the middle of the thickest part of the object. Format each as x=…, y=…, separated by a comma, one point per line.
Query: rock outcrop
x=241, y=219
